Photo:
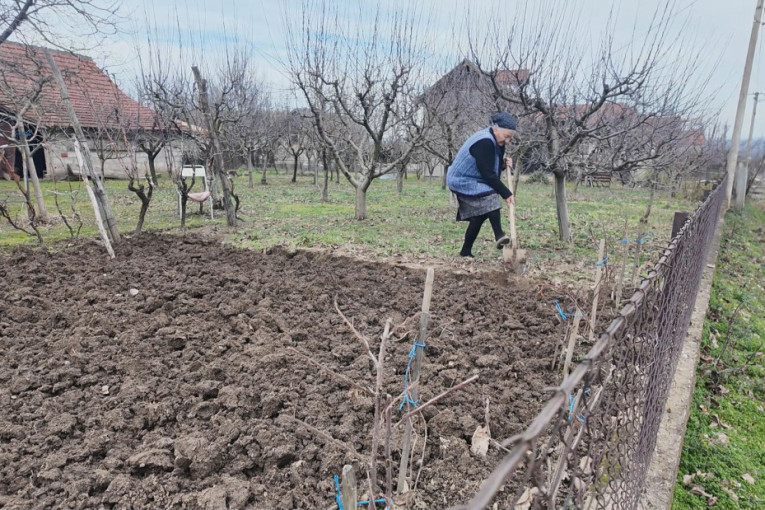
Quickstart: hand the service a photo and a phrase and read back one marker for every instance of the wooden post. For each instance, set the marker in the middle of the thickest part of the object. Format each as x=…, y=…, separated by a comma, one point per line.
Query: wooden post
x=94, y=201
x=573, y=333
x=414, y=375
x=348, y=488
x=510, y=253
x=220, y=172
x=596, y=288
x=620, y=277
x=678, y=221
x=638, y=249
x=102, y=199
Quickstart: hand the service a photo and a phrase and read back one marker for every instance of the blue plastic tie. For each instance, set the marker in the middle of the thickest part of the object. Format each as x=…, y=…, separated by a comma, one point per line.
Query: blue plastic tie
x=571, y=402
x=381, y=500
x=560, y=310
x=625, y=240
x=412, y=354
x=337, y=493
x=603, y=262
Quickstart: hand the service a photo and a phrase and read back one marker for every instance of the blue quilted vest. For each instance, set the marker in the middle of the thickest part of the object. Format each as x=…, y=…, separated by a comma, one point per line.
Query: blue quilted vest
x=463, y=176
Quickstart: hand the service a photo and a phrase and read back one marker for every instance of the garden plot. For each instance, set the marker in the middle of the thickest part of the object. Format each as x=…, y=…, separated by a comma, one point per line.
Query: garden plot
x=167, y=378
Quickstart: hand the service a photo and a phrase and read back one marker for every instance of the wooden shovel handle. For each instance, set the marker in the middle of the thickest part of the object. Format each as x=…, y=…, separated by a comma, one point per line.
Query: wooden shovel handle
x=513, y=234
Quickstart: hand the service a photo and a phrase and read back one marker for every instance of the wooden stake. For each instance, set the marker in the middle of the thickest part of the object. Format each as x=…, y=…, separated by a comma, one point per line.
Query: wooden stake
x=620, y=278
x=596, y=288
x=414, y=375
x=217, y=153
x=573, y=333
x=638, y=249
x=348, y=488
x=102, y=199
x=94, y=201
x=512, y=253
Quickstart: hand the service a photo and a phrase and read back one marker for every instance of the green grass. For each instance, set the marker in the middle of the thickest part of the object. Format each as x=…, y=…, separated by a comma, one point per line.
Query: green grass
x=730, y=397
x=418, y=223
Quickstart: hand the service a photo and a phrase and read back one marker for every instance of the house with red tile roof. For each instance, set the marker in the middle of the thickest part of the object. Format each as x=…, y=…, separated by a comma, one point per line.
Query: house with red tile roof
x=27, y=87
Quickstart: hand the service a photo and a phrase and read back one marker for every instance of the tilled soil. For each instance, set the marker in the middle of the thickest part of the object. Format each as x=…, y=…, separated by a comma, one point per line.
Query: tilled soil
x=165, y=379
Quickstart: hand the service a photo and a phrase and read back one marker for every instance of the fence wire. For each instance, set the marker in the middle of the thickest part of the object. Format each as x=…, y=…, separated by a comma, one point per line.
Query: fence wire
x=591, y=445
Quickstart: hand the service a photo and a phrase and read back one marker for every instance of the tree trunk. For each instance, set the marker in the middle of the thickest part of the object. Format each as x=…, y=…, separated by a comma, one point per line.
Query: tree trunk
x=29, y=165
x=325, y=188
x=361, y=202
x=561, y=205
x=325, y=162
x=644, y=219
x=294, y=168
x=400, y=181
x=264, y=168
x=183, y=212
x=248, y=157
x=219, y=170
x=443, y=177
x=152, y=169
x=315, y=173
x=145, y=201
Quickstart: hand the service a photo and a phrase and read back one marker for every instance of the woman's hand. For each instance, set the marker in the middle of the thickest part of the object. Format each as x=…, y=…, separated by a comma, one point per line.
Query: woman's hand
x=508, y=162
x=510, y=200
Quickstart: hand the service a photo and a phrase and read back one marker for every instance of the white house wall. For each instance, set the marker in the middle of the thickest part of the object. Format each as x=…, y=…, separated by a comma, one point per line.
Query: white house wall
x=60, y=152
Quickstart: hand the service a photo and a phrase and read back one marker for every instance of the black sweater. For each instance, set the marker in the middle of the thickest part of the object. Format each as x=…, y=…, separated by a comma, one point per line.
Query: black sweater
x=483, y=152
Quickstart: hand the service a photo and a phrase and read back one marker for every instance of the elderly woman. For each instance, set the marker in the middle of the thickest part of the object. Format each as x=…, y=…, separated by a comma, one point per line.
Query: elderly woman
x=474, y=177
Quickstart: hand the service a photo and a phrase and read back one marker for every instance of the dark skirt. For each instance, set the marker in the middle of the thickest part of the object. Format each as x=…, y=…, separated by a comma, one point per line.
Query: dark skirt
x=470, y=207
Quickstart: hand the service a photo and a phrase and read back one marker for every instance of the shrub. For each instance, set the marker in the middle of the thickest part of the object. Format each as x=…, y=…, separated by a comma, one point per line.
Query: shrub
x=539, y=177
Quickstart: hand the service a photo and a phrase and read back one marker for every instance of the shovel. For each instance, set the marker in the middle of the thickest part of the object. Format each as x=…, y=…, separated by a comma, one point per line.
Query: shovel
x=512, y=254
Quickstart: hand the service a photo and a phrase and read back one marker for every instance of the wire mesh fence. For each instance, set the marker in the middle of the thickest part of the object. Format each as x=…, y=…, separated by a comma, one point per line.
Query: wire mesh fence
x=591, y=445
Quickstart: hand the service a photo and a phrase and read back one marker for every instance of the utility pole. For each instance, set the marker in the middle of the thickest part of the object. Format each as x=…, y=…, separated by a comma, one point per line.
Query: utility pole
x=730, y=167
x=741, y=180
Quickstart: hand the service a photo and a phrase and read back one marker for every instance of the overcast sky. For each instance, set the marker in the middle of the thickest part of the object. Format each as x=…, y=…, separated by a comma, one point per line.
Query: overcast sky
x=718, y=29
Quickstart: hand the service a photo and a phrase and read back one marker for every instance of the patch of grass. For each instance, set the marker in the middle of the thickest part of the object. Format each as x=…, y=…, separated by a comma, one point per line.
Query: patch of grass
x=419, y=222
x=725, y=438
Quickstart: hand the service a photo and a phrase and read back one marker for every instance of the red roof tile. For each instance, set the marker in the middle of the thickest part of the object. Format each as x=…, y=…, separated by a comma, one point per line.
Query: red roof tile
x=95, y=97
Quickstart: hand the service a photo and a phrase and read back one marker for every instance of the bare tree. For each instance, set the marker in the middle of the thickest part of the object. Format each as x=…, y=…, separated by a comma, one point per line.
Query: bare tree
x=362, y=75
x=202, y=104
x=249, y=136
x=569, y=101
x=20, y=89
x=297, y=137
x=151, y=142
x=53, y=20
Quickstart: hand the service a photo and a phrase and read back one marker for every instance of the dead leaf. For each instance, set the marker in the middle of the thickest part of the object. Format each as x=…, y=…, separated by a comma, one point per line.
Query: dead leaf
x=717, y=421
x=720, y=438
x=688, y=479
x=524, y=502
x=713, y=340
x=480, y=442
x=706, y=358
x=711, y=500
x=748, y=478
x=722, y=390
x=585, y=465
x=699, y=491
x=732, y=494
